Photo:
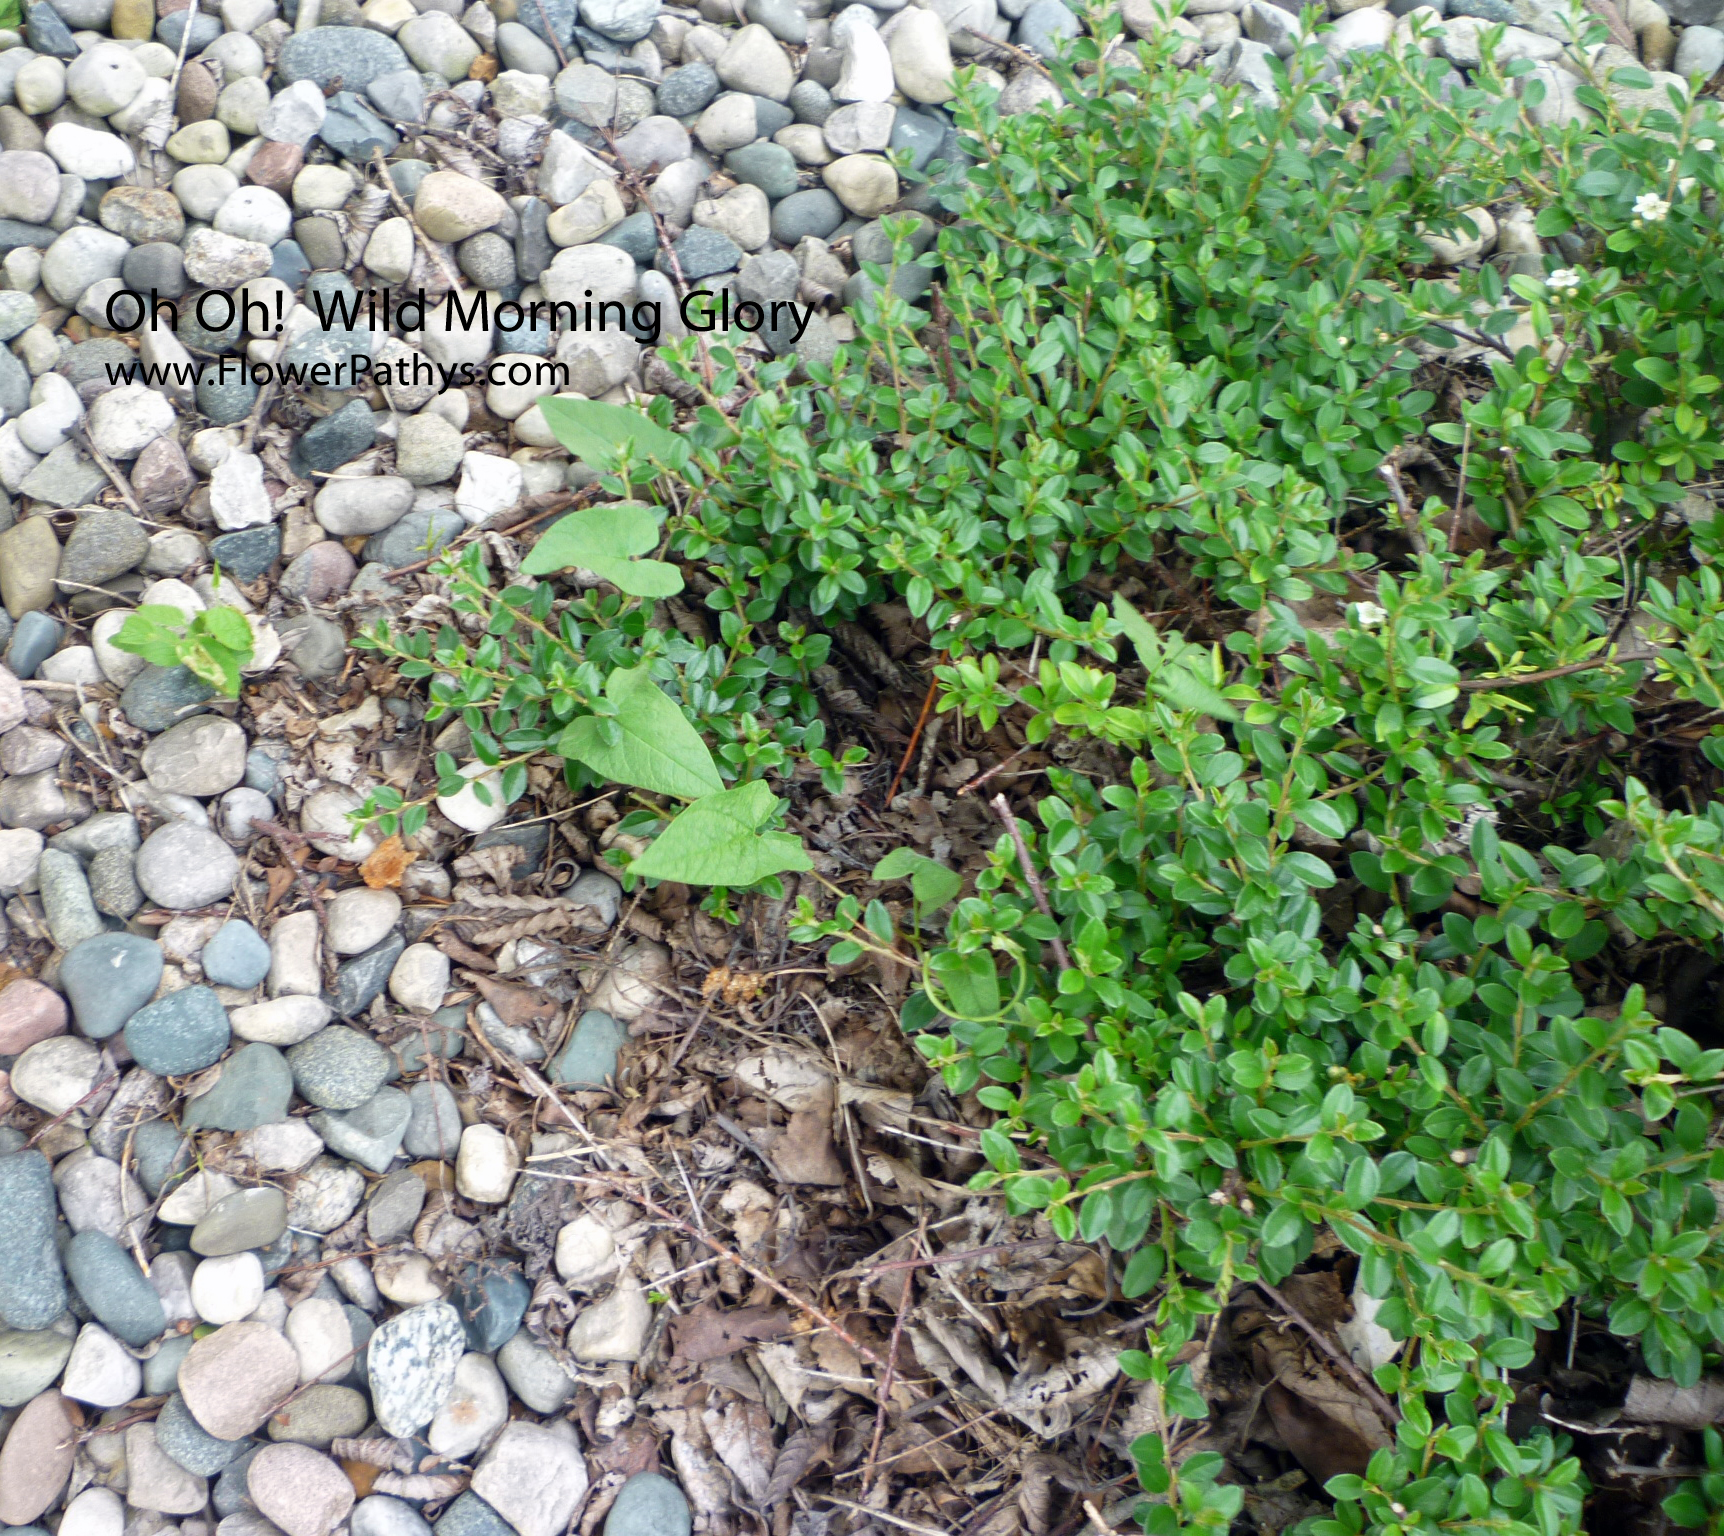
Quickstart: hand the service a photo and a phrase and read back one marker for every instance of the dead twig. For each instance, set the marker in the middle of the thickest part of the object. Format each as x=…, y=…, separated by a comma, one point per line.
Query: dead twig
x=982, y=778
x=406, y=212
x=110, y=469
x=879, y=1514
x=71, y=1109
x=1003, y=810
x=285, y=840
x=915, y=736
x=883, y=1391
x=1390, y=472
x=551, y=35
x=1476, y=684
x=563, y=502
x=1373, y=1394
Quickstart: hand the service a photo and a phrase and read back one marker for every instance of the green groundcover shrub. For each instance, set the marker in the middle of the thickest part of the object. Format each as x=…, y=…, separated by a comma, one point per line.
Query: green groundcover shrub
x=1177, y=339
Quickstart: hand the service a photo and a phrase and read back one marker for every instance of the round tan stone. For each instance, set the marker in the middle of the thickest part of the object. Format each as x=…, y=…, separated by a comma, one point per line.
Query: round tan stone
x=36, y=1459
x=301, y=1490
x=232, y=1379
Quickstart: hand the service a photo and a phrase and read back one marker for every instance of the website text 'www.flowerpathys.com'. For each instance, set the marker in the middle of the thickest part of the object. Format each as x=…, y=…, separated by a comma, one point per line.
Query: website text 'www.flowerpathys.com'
x=383, y=309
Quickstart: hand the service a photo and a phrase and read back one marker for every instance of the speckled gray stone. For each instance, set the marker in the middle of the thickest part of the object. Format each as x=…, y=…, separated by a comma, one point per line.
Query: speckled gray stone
x=354, y=55
x=338, y=1068
x=411, y=1362
x=185, y=1031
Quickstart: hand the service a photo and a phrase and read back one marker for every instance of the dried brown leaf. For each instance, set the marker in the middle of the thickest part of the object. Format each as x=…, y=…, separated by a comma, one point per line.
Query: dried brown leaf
x=708, y=1334
x=386, y=863
x=802, y=1449
x=741, y=1434
x=804, y=1154
x=518, y=1007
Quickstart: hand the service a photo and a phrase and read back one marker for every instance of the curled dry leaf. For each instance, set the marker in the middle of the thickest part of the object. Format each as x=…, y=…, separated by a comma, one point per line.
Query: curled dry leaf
x=386, y=863
x=391, y=1455
x=707, y=1487
x=741, y=1434
x=419, y=1486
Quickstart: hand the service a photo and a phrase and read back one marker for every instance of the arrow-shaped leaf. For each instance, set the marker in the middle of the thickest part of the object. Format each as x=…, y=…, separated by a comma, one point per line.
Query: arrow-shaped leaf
x=659, y=751
x=718, y=841
x=1176, y=670
x=604, y=540
x=599, y=433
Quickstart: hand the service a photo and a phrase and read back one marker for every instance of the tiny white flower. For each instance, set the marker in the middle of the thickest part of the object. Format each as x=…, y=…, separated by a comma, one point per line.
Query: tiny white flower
x=1686, y=185
x=1705, y=146
x=1651, y=207
x=1344, y=341
x=1564, y=279
x=1369, y=615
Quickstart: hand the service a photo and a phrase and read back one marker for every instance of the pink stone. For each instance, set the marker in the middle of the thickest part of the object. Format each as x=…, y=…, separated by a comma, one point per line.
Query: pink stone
x=29, y=1012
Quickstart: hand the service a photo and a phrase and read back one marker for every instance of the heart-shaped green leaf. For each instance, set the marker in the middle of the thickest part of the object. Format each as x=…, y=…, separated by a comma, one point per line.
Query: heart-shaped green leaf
x=659, y=751
x=718, y=841
x=601, y=433
x=605, y=540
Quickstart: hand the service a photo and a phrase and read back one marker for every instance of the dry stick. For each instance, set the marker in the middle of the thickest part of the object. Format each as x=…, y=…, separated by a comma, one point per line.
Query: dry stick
x=407, y=213
x=631, y=180
x=265, y=398
x=999, y=767
x=1390, y=471
x=1479, y=340
x=283, y=837
x=551, y=33
x=1386, y=1410
x=915, y=736
x=962, y=1256
x=42, y=1130
x=1022, y=55
x=928, y=1445
x=1474, y=684
x=108, y=468
x=472, y=533
x=883, y=1392
x=1004, y=811
x=1095, y=1519
x=879, y=1514
x=174, y=84
x=747, y=1141
x=532, y=1083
